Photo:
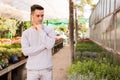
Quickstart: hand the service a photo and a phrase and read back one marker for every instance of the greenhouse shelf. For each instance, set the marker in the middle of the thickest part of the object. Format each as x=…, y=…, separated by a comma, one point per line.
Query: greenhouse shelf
x=12, y=67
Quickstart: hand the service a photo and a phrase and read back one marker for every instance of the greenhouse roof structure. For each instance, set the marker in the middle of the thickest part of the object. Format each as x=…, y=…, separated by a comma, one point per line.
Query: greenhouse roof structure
x=20, y=9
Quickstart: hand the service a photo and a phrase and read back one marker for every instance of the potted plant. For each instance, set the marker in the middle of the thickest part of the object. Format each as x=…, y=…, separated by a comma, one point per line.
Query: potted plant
x=3, y=58
x=13, y=58
x=19, y=54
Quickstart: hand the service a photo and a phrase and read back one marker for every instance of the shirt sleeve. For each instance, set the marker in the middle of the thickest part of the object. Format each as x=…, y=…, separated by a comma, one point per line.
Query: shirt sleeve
x=48, y=39
x=30, y=50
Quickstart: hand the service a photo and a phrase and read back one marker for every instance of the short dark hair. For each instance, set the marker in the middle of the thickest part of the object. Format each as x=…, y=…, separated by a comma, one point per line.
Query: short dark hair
x=36, y=6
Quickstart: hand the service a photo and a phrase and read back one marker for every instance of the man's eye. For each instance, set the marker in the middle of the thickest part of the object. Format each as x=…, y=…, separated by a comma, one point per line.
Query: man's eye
x=39, y=15
x=42, y=15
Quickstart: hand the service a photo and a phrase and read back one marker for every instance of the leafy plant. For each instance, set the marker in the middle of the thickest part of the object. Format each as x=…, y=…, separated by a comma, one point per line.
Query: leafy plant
x=100, y=70
x=91, y=58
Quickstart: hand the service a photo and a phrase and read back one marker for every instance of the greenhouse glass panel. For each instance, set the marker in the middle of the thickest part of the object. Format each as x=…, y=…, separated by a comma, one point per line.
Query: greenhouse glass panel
x=118, y=32
x=117, y=3
x=99, y=33
x=112, y=5
x=96, y=33
x=112, y=38
x=98, y=12
x=108, y=6
x=95, y=15
x=101, y=9
x=104, y=8
x=112, y=33
x=103, y=36
x=108, y=39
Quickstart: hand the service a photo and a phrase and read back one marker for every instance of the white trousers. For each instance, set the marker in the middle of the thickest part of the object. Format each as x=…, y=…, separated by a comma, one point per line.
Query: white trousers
x=44, y=74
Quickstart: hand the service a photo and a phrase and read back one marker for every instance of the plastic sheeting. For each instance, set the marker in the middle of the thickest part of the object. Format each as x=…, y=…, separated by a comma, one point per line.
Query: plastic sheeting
x=21, y=8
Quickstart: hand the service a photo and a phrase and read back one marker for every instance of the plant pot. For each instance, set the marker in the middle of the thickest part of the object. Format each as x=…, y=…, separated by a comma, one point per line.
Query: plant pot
x=14, y=59
x=21, y=58
x=1, y=67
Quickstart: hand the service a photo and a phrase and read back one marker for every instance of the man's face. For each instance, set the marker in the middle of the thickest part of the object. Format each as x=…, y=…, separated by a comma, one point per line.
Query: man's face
x=37, y=16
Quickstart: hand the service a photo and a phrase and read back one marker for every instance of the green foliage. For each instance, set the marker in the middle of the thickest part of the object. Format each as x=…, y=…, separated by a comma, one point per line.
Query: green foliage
x=7, y=52
x=100, y=70
x=15, y=45
x=86, y=1
x=88, y=46
x=91, y=58
x=14, y=51
x=76, y=76
x=82, y=29
x=10, y=50
x=61, y=28
x=81, y=5
x=8, y=25
x=27, y=24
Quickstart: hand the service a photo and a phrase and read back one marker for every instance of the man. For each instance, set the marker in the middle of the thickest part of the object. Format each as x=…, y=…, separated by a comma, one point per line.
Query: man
x=37, y=43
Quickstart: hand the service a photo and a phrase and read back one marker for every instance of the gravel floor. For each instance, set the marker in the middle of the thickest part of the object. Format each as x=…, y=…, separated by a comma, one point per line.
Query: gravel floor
x=61, y=62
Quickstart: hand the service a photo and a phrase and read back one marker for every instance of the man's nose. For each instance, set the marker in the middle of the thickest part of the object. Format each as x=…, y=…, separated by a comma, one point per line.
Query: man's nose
x=40, y=17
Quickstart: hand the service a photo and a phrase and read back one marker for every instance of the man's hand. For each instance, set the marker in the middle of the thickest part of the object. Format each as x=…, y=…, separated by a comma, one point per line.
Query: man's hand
x=38, y=27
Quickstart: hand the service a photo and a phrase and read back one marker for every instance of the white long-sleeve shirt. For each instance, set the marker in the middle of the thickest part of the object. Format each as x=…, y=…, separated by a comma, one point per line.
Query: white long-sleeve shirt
x=37, y=45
